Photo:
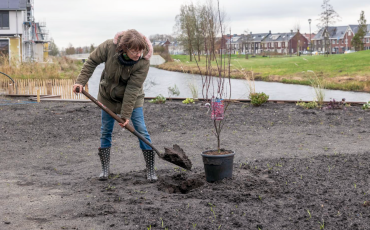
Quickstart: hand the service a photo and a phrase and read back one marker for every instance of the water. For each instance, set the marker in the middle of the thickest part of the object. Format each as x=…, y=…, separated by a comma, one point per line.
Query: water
x=159, y=80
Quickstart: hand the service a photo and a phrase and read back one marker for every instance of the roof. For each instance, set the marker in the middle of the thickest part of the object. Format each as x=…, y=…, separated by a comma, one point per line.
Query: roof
x=339, y=32
x=279, y=37
x=255, y=37
x=13, y=4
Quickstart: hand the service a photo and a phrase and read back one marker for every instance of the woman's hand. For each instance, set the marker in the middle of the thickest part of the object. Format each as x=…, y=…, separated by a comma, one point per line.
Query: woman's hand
x=124, y=124
x=75, y=86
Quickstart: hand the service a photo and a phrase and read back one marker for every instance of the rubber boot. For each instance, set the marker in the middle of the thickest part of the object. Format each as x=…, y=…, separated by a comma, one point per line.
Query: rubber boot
x=149, y=160
x=104, y=154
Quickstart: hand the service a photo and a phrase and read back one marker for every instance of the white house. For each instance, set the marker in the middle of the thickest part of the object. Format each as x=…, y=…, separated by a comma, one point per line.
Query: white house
x=21, y=37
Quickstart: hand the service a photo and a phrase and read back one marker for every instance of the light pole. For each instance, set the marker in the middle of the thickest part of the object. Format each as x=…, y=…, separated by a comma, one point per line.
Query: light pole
x=309, y=21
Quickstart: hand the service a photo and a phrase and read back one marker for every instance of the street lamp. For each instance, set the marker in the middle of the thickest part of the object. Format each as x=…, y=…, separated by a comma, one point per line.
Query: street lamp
x=309, y=21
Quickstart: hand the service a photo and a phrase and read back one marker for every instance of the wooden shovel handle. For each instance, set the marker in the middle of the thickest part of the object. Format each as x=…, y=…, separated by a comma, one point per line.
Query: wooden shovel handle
x=103, y=107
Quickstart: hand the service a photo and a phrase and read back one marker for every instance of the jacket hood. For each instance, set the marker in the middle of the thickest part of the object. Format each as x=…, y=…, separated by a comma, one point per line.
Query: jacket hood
x=147, y=55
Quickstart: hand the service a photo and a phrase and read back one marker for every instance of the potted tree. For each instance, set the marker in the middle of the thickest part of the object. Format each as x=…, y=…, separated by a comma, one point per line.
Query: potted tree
x=216, y=90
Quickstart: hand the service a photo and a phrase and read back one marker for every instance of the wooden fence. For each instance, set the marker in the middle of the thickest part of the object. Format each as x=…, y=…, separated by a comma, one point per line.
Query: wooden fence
x=61, y=87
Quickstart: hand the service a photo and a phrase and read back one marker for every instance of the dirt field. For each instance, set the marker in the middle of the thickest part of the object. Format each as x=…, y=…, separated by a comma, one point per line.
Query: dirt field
x=293, y=169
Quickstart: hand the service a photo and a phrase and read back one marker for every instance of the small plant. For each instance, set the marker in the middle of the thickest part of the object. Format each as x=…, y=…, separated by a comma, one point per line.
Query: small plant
x=188, y=101
x=366, y=106
x=309, y=213
x=319, y=86
x=193, y=89
x=172, y=91
x=194, y=225
x=322, y=225
x=258, y=99
x=308, y=105
x=160, y=99
x=336, y=104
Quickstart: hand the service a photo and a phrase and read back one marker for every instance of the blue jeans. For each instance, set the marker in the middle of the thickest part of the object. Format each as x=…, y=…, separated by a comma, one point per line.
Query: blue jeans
x=107, y=124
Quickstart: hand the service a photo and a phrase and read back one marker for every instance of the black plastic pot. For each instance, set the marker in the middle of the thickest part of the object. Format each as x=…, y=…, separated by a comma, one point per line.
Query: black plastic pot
x=218, y=167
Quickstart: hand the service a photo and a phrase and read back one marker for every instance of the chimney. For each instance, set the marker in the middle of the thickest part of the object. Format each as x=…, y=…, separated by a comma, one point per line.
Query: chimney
x=251, y=32
x=270, y=31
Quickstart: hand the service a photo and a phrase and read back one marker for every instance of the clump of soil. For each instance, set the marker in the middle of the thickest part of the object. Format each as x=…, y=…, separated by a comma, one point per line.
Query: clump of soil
x=177, y=156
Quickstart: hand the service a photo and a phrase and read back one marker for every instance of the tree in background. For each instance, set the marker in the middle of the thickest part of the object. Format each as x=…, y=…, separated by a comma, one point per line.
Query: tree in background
x=161, y=37
x=70, y=50
x=92, y=48
x=53, y=48
x=185, y=28
x=358, y=39
x=327, y=18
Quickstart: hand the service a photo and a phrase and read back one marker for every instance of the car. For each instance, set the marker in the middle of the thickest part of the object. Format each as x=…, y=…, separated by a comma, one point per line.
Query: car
x=349, y=51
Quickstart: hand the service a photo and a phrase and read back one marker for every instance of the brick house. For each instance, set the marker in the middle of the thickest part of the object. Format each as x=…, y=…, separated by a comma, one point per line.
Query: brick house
x=285, y=43
x=339, y=38
x=252, y=42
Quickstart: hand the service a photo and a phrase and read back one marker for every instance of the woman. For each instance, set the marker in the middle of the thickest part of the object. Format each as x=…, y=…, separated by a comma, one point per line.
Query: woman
x=126, y=60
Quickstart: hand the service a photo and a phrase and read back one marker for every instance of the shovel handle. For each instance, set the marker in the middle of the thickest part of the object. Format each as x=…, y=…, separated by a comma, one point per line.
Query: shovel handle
x=117, y=118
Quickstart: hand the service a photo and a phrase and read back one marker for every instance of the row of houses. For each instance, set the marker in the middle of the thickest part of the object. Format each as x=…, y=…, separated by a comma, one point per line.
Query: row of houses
x=21, y=37
x=338, y=39
x=283, y=43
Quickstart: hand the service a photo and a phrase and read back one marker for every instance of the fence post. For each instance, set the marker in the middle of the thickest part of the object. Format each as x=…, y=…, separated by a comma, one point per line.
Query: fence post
x=49, y=90
x=11, y=89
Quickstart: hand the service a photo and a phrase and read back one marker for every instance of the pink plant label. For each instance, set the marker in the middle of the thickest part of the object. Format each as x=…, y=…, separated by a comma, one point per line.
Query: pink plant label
x=217, y=106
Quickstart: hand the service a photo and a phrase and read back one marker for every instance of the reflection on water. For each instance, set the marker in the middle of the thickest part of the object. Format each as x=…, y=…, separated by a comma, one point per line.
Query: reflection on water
x=62, y=87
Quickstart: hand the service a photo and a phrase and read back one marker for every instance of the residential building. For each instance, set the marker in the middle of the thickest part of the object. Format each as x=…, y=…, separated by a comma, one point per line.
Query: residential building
x=338, y=38
x=252, y=42
x=285, y=43
x=21, y=37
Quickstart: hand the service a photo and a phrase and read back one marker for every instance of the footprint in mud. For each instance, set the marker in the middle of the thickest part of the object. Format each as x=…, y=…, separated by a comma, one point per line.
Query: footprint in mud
x=179, y=183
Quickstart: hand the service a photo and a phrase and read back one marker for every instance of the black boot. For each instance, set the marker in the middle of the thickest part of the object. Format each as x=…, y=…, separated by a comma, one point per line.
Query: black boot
x=104, y=154
x=149, y=160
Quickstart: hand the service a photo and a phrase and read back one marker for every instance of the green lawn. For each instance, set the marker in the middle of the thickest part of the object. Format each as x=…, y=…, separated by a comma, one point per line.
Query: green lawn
x=342, y=71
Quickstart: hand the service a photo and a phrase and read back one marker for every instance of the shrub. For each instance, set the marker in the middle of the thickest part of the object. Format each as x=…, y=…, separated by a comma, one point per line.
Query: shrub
x=258, y=99
x=188, y=101
x=336, y=104
x=172, y=91
x=308, y=105
x=160, y=99
x=366, y=106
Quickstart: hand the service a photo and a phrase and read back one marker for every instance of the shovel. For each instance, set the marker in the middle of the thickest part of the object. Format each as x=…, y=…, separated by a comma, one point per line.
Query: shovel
x=175, y=155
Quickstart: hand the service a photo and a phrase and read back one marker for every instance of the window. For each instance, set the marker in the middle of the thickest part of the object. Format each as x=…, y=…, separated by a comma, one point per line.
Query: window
x=367, y=40
x=4, y=20
x=4, y=47
x=333, y=42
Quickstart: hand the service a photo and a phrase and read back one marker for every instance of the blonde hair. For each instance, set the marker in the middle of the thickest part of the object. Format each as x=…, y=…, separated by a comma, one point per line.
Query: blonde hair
x=131, y=39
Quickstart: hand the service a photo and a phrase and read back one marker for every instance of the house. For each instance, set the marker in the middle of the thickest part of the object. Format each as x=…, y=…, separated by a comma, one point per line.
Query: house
x=338, y=38
x=21, y=38
x=252, y=42
x=241, y=44
x=285, y=43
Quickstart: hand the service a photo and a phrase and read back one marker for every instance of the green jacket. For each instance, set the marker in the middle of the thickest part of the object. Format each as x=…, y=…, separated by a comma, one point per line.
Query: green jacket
x=121, y=87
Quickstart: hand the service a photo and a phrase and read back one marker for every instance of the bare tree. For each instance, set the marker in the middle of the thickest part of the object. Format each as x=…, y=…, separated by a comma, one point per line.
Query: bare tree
x=185, y=28
x=216, y=89
x=327, y=18
x=297, y=26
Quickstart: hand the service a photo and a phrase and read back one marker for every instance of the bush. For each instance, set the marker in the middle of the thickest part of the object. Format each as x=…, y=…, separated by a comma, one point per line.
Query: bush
x=188, y=101
x=308, y=105
x=366, y=106
x=258, y=99
x=336, y=104
x=160, y=99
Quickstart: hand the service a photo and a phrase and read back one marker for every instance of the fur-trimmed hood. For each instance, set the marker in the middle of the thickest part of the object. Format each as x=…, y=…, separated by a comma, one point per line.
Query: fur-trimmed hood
x=147, y=55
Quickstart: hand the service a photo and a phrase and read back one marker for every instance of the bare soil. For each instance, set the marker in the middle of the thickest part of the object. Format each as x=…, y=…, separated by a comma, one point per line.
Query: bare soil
x=293, y=169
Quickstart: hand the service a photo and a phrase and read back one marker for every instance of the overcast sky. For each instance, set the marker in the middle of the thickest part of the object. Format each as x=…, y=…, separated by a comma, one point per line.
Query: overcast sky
x=85, y=22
